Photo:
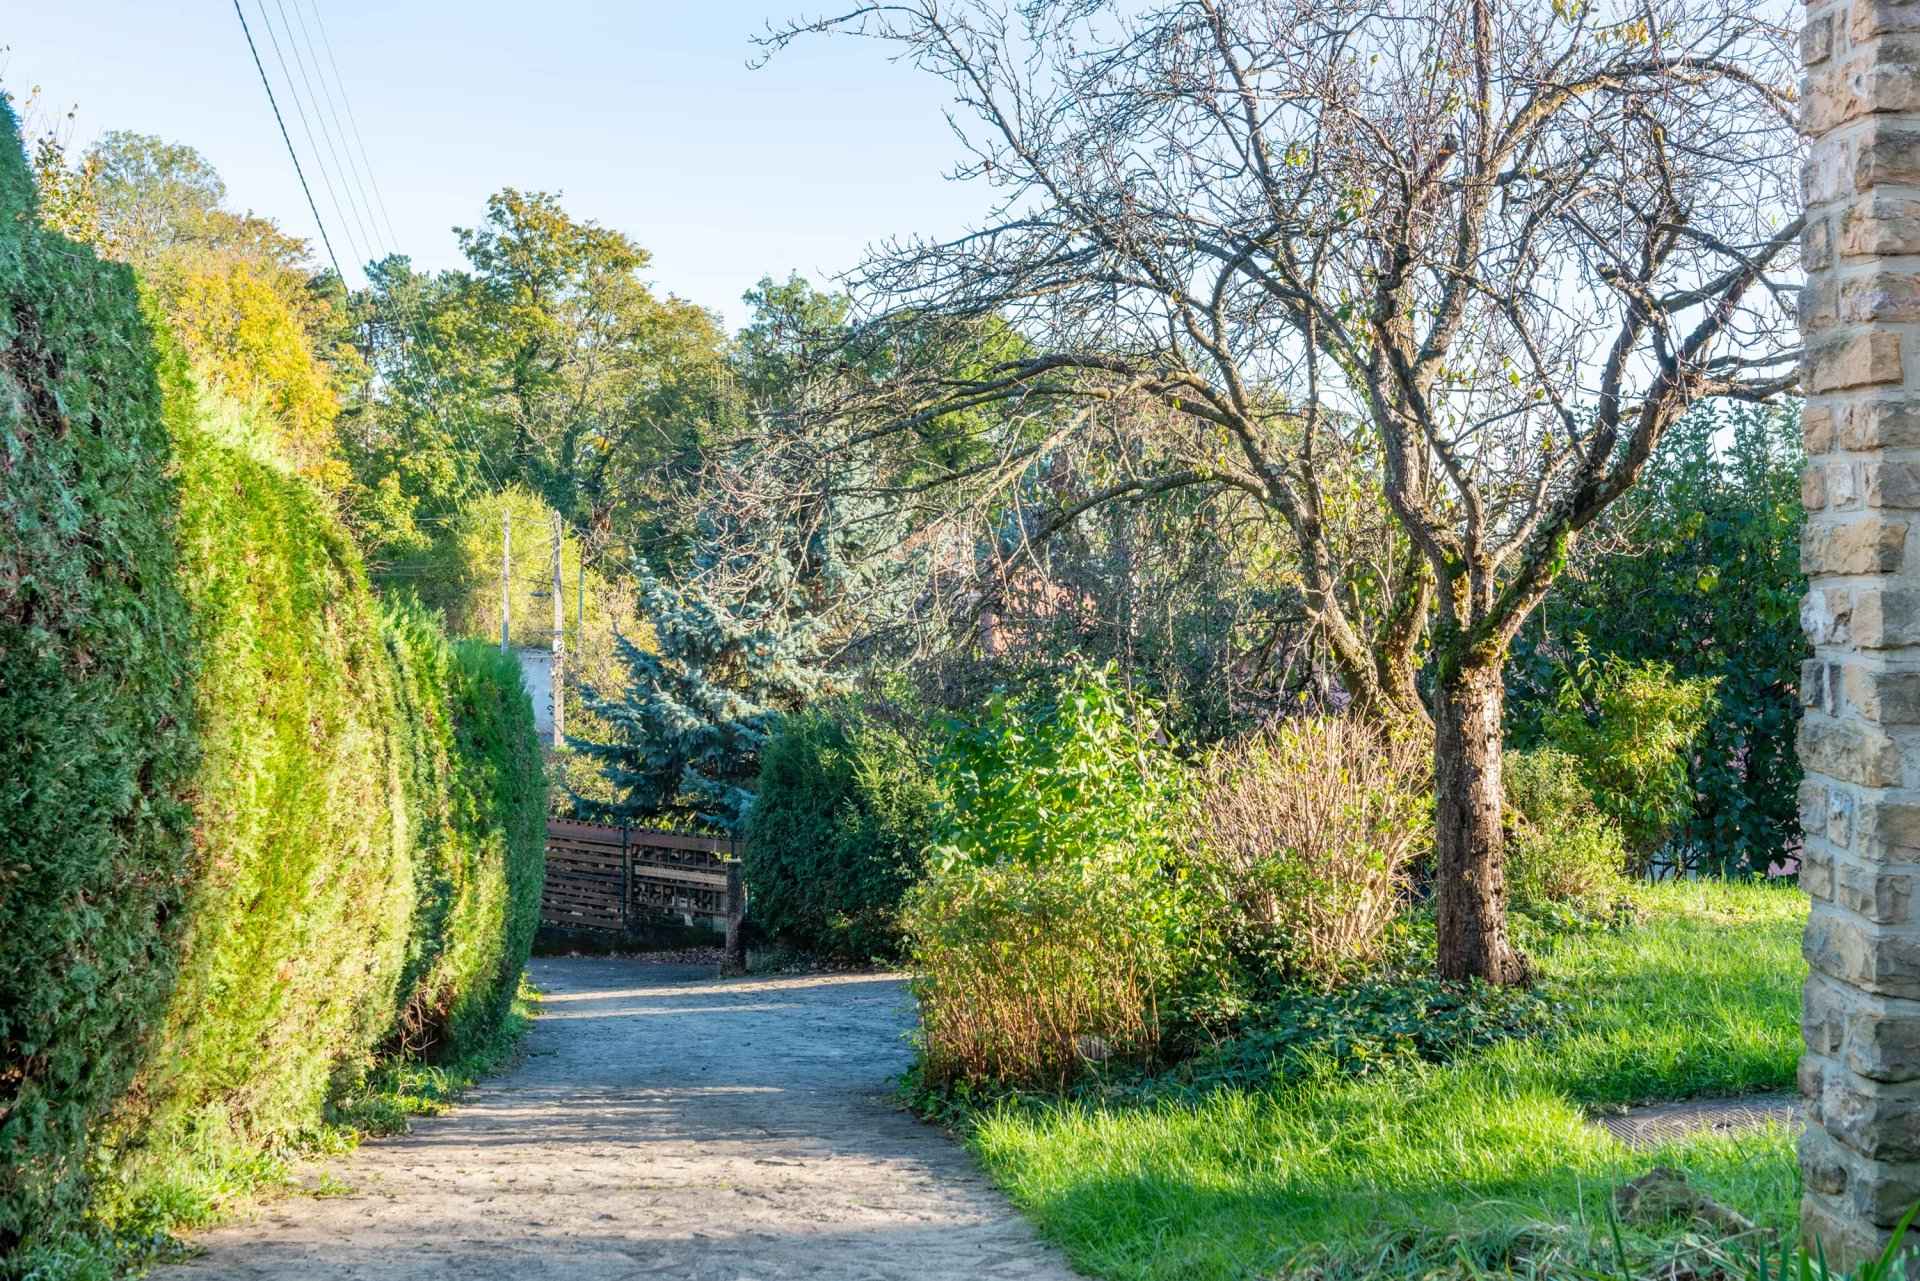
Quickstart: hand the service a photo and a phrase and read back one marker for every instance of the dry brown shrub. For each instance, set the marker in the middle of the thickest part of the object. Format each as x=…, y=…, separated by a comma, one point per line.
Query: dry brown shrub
x=1302, y=836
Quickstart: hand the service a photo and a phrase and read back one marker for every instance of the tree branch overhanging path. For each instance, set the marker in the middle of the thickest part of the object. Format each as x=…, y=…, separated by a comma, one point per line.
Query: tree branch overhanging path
x=1463, y=263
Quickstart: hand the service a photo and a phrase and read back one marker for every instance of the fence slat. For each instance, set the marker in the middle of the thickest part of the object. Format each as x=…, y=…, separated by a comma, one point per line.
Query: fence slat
x=599, y=875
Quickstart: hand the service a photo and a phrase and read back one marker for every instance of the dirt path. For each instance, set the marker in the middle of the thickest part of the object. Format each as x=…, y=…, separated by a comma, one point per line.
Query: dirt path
x=664, y=1125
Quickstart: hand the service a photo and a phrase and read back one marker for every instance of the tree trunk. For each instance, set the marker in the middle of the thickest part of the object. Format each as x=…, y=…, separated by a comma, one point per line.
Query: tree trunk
x=1470, y=898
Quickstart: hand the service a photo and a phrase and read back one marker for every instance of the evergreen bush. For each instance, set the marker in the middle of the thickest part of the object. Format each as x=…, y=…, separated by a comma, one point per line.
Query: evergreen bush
x=96, y=696
x=476, y=804
x=839, y=830
x=253, y=830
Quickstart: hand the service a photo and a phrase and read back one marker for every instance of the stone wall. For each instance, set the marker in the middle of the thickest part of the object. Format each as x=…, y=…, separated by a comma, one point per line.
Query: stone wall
x=1860, y=741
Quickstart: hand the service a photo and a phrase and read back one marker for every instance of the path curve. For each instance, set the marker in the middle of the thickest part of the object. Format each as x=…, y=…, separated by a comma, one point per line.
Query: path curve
x=665, y=1125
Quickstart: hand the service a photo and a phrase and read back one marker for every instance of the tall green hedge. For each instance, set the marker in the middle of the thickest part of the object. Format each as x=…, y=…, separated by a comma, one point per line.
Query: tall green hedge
x=255, y=828
x=474, y=772
x=98, y=717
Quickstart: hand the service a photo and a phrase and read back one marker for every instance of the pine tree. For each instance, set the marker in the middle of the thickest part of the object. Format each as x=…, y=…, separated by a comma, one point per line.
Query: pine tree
x=686, y=735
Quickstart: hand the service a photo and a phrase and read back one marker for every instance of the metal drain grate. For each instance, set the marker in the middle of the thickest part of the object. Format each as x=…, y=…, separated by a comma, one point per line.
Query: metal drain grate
x=1659, y=1123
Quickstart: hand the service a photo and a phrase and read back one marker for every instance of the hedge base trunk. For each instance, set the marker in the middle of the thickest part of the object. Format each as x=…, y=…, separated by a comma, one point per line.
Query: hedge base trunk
x=1470, y=899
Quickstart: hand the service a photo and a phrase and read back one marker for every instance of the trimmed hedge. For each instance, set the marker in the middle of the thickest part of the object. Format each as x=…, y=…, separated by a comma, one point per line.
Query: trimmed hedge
x=258, y=829
x=479, y=806
x=841, y=822
x=96, y=698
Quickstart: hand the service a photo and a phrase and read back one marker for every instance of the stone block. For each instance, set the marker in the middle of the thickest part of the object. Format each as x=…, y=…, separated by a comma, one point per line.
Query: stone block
x=1888, y=698
x=1886, y=155
x=1816, y=428
x=1888, y=295
x=1816, y=40
x=1876, y=1120
x=1869, y=18
x=1891, y=484
x=1841, y=490
x=1850, y=751
x=1826, y=615
x=1823, y=1016
x=1888, y=829
x=1812, y=796
x=1879, y=1037
x=1881, y=222
x=1885, y=898
x=1871, y=545
x=1878, y=618
x=1811, y=1078
x=1880, y=424
x=1876, y=958
x=1826, y=1226
x=1813, y=487
x=1839, y=817
x=1878, y=76
x=1824, y=1168
x=1862, y=359
x=1816, y=867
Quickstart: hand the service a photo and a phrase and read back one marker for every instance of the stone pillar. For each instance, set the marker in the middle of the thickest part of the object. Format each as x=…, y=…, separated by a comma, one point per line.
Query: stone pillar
x=1860, y=740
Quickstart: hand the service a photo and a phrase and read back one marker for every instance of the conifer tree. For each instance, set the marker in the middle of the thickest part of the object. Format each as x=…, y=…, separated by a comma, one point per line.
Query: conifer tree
x=685, y=737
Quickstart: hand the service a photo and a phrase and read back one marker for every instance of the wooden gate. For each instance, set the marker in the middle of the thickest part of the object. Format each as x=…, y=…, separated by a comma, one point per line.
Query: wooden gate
x=613, y=878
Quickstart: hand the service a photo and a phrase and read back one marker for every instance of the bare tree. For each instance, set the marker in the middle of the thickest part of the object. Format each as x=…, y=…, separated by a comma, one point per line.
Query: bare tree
x=1510, y=241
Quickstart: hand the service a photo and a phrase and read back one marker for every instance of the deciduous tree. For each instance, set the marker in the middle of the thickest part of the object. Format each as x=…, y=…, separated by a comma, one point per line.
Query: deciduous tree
x=1493, y=248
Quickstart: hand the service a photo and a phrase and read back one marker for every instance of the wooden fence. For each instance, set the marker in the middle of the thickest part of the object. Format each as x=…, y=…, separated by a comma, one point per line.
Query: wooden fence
x=614, y=878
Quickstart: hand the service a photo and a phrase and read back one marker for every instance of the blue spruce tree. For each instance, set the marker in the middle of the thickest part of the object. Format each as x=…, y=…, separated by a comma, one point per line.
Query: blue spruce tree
x=686, y=735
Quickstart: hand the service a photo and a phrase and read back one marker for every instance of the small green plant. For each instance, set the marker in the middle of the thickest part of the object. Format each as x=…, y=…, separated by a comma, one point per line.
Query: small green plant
x=1796, y=1263
x=1562, y=852
x=1365, y=1027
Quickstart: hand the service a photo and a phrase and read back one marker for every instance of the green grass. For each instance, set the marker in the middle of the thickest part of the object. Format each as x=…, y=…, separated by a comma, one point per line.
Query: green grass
x=1486, y=1166
x=134, y=1226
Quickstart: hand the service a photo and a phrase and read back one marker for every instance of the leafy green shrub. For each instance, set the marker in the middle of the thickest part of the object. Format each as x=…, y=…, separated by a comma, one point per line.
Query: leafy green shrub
x=1051, y=930
x=1713, y=585
x=1630, y=726
x=840, y=826
x=1301, y=838
x=96, y=696
x=1560, y=847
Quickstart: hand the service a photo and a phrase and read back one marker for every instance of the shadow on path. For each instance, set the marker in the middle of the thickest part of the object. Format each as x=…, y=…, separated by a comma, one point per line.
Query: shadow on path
x=666, y=1125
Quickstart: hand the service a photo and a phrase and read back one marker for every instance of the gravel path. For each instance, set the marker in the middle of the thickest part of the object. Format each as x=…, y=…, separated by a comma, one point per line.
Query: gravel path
x=664, y=1125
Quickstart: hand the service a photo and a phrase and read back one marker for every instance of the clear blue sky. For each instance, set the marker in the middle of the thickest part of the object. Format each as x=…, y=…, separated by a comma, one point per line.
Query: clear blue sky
x=644, y=114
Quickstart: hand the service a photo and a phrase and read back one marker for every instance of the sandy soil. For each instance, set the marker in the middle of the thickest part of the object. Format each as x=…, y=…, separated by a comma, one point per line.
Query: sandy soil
x=664, y=1125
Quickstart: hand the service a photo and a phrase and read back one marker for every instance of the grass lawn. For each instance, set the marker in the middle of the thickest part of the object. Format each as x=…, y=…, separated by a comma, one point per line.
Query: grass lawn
x=1485, y=1166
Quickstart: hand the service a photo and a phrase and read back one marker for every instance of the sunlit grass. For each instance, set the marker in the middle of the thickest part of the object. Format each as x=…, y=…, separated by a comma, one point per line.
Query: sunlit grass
x=1487, y=1163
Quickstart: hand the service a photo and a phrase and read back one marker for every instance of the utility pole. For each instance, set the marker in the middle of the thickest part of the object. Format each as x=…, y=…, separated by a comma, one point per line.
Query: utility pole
x=506, y=577
x=559, y=645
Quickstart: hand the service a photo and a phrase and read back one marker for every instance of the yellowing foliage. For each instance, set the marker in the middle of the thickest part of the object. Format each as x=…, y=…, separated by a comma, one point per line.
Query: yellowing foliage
x=247, y=338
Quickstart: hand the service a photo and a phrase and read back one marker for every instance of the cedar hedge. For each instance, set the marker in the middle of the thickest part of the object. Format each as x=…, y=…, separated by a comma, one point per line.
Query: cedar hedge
x=256, y=829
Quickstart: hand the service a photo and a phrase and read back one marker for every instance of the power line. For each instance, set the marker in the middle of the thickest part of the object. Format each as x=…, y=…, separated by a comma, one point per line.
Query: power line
x=300, y=110
x=286, y=138
x=300, y=60
x=407, y=309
